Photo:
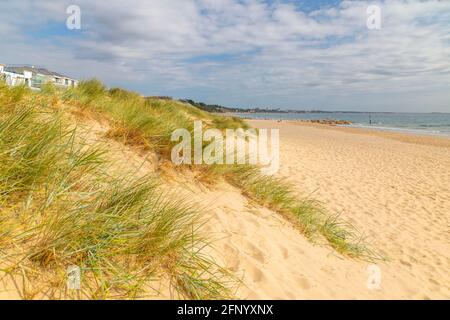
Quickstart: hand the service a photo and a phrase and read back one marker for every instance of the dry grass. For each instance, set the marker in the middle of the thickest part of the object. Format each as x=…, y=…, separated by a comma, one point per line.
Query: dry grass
x=307, y=214
x=60, y=206
x=150, y=123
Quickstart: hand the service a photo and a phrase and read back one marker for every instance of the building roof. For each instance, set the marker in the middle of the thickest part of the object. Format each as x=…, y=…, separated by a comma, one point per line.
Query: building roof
x=36, y=70
x=18, y=70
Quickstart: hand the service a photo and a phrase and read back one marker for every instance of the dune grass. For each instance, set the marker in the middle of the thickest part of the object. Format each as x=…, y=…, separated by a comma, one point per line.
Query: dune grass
x=60, y=206
x=139, y=121
x=149, y=123
x=306, y=214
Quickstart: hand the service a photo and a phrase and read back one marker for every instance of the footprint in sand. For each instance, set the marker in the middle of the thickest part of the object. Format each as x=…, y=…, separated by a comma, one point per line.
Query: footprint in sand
x=405, y=263
x=285, y=253
x=256, y=274
x=255, y=252
x=303, y=283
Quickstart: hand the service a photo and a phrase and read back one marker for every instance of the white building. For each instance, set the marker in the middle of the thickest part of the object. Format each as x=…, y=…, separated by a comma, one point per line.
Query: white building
x=16, y=79
x=35, y=77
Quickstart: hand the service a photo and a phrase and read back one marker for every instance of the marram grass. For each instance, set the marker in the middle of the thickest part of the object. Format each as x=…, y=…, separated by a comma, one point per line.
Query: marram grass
x=149, y=123
x=60, y=207
x=307, y=214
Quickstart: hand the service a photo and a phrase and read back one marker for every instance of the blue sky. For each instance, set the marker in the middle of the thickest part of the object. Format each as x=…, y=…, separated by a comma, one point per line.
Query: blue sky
x=245, y=53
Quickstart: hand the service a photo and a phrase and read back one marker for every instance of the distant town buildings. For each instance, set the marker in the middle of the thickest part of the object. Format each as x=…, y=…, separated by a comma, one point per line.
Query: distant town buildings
x=34, y=77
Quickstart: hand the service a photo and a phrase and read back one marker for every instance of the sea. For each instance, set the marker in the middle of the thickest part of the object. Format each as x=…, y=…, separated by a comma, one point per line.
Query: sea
x=418, y=123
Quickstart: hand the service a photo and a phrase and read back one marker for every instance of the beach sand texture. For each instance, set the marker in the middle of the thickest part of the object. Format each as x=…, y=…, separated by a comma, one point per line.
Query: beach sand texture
x=393, y=188
x=397, y=193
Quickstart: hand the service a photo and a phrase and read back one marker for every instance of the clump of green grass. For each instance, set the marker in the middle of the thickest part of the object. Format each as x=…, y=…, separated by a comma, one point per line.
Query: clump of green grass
x=125, y=237
x=49, y=89
x=92, y=88
x=345, y=238
x=122, y=94
x=60, y=206
x=12, y=95
x=30, y=149
x=227, y=122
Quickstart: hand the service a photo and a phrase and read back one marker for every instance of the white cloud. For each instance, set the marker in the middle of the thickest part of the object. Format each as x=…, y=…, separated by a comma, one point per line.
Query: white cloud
x=239, y=52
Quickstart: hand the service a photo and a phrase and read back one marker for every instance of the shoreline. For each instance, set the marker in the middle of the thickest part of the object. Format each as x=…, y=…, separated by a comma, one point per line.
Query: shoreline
x=408, y=137
x=375, y=127
x=403, y=130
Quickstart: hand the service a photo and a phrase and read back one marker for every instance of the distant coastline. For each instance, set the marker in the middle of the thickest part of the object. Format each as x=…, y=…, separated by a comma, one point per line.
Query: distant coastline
x=433, y=123
x=215, y=108
x=414, y=123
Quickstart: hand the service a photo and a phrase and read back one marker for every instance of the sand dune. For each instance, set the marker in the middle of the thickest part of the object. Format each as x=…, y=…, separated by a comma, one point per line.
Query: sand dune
x=394, y=191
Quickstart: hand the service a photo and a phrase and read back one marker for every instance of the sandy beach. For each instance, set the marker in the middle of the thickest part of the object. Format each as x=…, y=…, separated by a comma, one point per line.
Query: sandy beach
x=137, y=160
x=394, y=188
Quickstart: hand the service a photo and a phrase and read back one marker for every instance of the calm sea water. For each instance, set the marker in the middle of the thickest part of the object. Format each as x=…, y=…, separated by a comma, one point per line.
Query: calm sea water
x=425, y=123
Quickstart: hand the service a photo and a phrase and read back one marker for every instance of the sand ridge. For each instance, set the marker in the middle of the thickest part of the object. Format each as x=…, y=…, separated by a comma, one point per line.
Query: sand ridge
x=397, y=193
x=394, y=191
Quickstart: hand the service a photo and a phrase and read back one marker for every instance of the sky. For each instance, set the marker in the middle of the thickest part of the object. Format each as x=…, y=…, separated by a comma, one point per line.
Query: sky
x=245, y=53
